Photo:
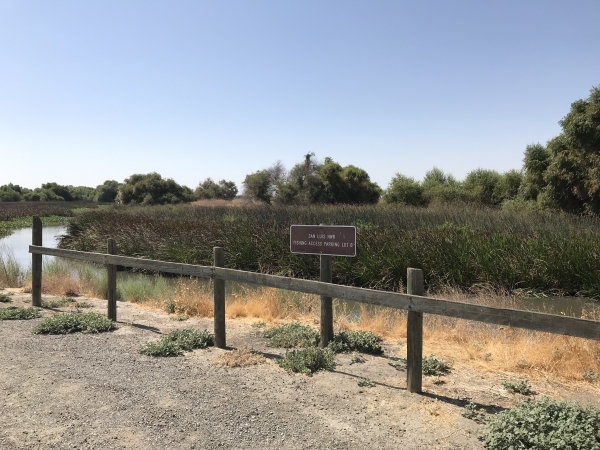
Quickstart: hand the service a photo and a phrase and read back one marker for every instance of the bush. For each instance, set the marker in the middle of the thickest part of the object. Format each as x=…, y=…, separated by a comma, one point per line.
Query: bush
x=4, y=298
x=18, y=313
x=545, y=424
x=308, y=360
x=178, y=341
x=360, y=341
x=292, y=335
x=152, y=189
x=433, y=366
x=405, y=190
x=517, y=387
x=74, y=323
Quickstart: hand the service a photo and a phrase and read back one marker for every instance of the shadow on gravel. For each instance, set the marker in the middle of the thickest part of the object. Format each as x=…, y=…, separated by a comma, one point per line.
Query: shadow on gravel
x=142, y=327
x=490, y=409
x=358, y=377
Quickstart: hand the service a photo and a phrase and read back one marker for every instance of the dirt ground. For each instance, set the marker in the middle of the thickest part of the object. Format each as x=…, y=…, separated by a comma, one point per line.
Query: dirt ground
x=97, y=391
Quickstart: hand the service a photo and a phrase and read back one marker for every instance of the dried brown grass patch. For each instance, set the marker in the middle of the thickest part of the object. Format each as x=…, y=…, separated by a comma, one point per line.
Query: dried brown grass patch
x=58, y=284
x=242, y=357
x=191, y=300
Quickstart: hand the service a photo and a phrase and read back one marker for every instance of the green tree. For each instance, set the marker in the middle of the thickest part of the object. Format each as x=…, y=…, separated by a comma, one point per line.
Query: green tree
x=566, y=172
x=152, y=189
x=439, y=187
x=208, y=189
x=259, y=185
x=10, y=193
x=107, y=192
x=404, y=190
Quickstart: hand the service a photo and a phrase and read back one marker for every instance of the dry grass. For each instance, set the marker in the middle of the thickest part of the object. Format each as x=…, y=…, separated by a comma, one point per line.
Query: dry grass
x=511, y=351
x=242, y=357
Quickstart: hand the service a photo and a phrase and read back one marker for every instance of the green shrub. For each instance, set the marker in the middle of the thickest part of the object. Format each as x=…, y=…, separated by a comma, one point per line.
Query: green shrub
x=4, y=298
x=589, y=375
x=58, y=303
x=433, y=366
x=365, y=382
x=18, y=313
x=178, y=341
x=308, y=360
x=74, y=323
x=360, y=341
x=470, y=411
x=161, y=348
x=545, y=425
x=292, y=335
x=517, y=387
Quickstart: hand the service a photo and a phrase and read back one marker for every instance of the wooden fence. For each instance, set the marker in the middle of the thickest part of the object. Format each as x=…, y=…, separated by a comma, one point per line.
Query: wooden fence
x=413, y=301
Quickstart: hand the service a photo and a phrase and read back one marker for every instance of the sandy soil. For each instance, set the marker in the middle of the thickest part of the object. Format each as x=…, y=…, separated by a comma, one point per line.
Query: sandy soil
x=97, y=391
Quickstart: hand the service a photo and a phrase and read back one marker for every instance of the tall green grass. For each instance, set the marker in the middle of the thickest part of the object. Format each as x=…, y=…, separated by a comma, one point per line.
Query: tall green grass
x=455, y=246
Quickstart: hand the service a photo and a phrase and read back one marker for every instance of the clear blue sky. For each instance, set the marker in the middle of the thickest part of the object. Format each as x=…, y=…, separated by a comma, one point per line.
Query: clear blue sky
x=96, y=90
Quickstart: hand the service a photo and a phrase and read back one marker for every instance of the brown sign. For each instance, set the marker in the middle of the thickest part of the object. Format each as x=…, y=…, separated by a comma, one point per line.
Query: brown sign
x=323, y=240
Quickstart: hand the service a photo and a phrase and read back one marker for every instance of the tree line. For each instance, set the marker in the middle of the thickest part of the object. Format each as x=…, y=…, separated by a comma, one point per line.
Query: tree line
x=563, y=175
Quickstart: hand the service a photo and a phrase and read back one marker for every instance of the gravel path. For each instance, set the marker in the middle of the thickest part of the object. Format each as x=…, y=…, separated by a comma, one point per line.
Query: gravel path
x=97, y=391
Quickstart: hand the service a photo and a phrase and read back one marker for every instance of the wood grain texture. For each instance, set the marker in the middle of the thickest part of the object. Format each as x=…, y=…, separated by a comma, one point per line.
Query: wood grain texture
x=414, y=334
x=36, y=263
x=111, y=249
x=550, y=323
x=326, y=303
x=219, y=300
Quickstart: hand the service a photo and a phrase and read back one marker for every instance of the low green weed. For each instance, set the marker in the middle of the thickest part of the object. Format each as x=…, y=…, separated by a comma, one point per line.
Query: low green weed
x=4, y=298
x=180, y=317
x=398, y=363
x=18, y=313
x=308, y=360
x=545, y=425
x=365, y=382
x=357, y=358
x=178, y=341
x=470, y=411
x=517, y=387
x=292, y=335
x=360, y=341
x=433, y=366
x=75, y=323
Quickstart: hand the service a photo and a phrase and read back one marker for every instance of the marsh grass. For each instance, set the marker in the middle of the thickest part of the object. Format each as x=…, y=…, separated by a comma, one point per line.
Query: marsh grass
x=11, y=273
x=454, y=245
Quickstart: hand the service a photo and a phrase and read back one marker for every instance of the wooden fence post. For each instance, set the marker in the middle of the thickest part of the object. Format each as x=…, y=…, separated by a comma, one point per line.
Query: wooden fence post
x=414, y=335
x=111, y=249
x=219, y=300
x=36, y=263
x=326, y=304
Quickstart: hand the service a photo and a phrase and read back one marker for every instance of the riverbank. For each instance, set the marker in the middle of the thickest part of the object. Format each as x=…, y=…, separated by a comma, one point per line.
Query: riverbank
x=193, y=401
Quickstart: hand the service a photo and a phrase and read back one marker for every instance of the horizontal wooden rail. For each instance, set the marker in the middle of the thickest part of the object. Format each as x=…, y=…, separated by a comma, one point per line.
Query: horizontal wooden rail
x=127, y=261
x=550, y=323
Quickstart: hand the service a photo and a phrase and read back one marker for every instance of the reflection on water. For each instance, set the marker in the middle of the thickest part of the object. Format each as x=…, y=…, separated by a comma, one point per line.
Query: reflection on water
x=18, y=242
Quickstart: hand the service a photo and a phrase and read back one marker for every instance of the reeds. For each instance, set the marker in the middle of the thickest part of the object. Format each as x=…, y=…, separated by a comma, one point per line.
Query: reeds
x=455, y=246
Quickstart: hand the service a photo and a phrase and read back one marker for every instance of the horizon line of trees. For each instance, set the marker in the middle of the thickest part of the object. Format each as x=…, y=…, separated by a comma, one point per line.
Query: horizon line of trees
x=562, y=175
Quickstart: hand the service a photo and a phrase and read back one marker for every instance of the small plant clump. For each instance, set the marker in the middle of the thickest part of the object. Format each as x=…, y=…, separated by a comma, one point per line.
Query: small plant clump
x=589, y=375
x=4, y=298
x=470, y=411
x=292, y=335
x=242, y=357
x=360, y=341
x=365, y=382
x=398, y=363
x=75, y=323
x=65, y=301
x=357, y=358
x=517, y=387
x=170, y=307
x=433, y=366
x=545, y=425
x=178, y=341
x=18, y=313
x=180, y=317
x=308, y=360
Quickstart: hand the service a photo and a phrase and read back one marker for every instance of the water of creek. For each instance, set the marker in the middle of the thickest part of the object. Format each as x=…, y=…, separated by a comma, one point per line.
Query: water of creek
x=18, y=243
